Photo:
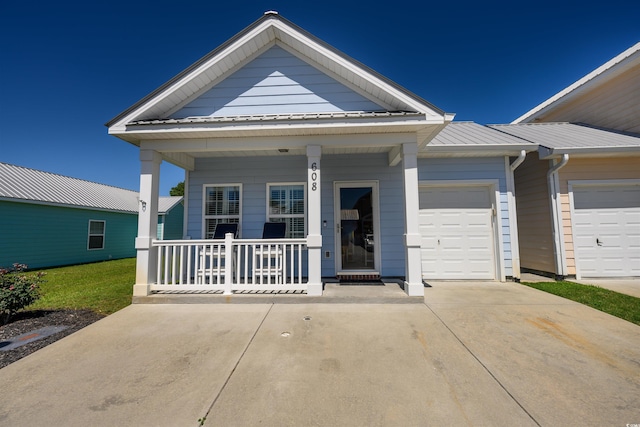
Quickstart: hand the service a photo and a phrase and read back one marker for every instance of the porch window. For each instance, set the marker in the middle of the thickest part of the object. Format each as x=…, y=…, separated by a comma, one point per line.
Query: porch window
x=96, y=235
x=287, y=203
x=222, y=204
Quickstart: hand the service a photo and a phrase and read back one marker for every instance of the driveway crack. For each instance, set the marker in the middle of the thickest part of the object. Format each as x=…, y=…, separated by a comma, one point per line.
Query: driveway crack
x=203, y=419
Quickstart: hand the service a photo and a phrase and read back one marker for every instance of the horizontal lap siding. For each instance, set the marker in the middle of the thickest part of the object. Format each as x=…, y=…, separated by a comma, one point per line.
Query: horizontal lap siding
x=46, y=236
x=534, y=215
x=590, y=169
x=255, y=172
x=276, y=82
x=489, y=168
x=374, y=167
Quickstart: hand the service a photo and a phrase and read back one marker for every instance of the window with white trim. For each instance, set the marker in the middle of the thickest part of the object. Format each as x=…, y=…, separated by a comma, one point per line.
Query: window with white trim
x=222, y=204
x=287, y=203
x=96, y=235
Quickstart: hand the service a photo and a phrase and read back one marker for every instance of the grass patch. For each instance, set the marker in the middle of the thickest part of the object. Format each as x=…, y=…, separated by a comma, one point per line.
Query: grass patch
x=103, y=287
x=620, y=305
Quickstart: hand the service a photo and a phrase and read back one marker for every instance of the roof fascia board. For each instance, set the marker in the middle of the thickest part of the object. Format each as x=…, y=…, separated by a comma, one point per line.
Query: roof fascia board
x=199, y=145
x=65, y=205
x=611, y=68
x=550, y=153
x=464, y=149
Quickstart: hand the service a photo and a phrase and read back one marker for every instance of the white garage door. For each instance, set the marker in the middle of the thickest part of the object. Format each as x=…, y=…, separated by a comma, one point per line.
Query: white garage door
x=606, y=230
x=457, y=234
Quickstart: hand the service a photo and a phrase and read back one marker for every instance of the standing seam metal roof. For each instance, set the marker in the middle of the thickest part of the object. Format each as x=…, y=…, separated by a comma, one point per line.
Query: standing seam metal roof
x=24, y=184
x=567, y=136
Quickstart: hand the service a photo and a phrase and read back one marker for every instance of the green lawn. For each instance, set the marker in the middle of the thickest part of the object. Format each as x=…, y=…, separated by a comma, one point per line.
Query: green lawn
x=623, y=306
x=104, y=287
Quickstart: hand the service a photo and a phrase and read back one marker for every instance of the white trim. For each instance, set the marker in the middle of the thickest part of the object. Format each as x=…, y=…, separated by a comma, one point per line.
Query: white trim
x=557, y=230
x=104, y=234
x=203, y=233
x=267, y=199
x=513, y=212
x=590, y=183
x=375, y=206
x=496, y=217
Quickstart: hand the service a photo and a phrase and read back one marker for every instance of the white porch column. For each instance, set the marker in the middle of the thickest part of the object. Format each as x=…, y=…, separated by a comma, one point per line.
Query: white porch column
x=314, y=226
x=146, y=259
x=413, y=268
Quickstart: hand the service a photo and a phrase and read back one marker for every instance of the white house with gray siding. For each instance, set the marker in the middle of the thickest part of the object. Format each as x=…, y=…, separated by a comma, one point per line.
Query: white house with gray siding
x=370, y=179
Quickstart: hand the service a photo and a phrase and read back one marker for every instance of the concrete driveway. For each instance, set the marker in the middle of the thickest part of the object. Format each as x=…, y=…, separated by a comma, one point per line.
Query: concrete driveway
x=482, y=354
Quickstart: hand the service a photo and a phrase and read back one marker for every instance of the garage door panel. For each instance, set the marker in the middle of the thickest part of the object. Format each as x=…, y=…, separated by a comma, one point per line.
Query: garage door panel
x=457, y=234
x=606, y=228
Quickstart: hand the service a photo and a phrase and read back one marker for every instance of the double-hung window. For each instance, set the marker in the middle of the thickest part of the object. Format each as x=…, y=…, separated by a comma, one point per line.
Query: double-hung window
x=222, y=204
x=287, y=203
x=96, y=234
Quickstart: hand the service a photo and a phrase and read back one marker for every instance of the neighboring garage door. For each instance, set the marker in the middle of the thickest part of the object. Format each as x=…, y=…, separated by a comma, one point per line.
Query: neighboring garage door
x=457, y=233
x=606, y=230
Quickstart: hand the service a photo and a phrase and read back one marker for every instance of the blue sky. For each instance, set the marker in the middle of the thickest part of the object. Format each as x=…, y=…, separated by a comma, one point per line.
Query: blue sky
x=66, y=68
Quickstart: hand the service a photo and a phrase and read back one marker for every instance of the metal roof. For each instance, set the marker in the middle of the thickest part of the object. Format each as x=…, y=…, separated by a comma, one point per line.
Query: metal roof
x=165, y=204
x=280, y=117
x=569, y=137
x=470, y=133
x=23, y=184
x=473, y=139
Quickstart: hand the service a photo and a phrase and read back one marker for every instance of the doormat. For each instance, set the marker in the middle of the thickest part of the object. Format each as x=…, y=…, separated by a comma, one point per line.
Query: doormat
x=345, y=282
x=23, y=339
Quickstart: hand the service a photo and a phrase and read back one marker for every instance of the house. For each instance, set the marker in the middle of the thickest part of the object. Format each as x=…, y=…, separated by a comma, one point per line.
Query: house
x=51, y=220
x=579, y=196
x=276, y=125
x=608, y=97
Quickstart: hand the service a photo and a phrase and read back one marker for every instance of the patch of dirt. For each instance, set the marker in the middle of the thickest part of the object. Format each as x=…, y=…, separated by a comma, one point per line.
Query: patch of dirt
x=27, y=321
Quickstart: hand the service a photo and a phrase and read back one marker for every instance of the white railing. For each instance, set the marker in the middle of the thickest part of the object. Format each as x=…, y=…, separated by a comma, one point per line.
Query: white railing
x=230, y=265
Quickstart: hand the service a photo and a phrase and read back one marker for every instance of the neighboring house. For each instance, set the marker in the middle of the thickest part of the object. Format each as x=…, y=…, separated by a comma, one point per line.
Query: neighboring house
x=608, y=97
x=275, y=125
x=170, y=218
x=51, y=220
x=579, y=196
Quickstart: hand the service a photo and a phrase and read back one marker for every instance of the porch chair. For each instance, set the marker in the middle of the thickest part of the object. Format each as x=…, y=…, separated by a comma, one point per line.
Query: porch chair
x=270, y=258
x=211, y=257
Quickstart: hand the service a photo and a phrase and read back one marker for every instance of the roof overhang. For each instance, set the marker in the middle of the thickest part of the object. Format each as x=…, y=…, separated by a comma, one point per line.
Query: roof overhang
x=498, y=150
x=553, y=153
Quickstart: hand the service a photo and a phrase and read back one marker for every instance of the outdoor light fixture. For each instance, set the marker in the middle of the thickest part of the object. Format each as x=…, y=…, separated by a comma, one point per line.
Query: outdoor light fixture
x=144, y=205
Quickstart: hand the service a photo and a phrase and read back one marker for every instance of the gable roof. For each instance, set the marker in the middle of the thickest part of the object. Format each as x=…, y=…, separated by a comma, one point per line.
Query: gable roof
x=555, y=139
x=165, y=204
x=623, y=62
x=268, y=31
x=473, y=139
x=21, y=184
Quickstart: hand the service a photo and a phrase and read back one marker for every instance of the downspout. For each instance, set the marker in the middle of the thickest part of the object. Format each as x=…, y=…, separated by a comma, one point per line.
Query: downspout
x=556, y=218
x=513, y=217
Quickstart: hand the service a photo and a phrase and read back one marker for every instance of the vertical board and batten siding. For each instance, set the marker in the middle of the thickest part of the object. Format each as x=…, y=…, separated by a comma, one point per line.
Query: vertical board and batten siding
x=48, y=236
x=276, y=82
x=534, y=215
x=255, y=172
x=467, y=169
x=591, y=169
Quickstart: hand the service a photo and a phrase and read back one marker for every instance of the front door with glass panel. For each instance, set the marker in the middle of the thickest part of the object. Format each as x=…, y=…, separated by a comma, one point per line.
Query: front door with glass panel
x=356, y=219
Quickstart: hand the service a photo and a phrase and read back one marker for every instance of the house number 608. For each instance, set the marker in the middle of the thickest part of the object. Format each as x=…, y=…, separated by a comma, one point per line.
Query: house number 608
x=314, y=176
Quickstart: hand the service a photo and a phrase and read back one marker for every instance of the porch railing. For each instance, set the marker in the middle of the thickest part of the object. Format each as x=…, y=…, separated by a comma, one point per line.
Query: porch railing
x=230, y=265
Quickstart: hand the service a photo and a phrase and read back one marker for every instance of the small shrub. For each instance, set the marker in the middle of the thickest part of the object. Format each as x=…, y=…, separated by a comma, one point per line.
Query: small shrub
x=17, y=290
